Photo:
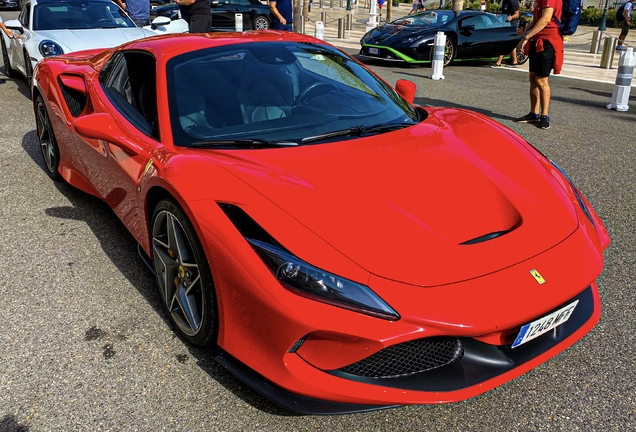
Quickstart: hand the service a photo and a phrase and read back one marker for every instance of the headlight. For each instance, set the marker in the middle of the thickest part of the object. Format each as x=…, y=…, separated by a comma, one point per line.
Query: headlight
x=365, y=37
x=577, y=192
x=412, y=39
x=49, y=48
x=312, y=282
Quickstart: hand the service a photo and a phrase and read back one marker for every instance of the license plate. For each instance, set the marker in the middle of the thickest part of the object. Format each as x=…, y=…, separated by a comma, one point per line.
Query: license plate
x=374, y=50
x=544, y=325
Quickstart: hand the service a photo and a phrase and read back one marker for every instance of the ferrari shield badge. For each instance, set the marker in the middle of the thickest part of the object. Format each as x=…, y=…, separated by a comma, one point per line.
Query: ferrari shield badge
x=537, y=276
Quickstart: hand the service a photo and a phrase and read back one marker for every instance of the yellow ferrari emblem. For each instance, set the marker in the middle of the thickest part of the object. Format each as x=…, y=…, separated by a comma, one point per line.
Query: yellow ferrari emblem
x=537, y=276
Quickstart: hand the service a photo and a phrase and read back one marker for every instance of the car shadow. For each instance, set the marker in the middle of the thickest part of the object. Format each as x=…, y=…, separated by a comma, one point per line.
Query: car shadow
x=121, y=249
x=445, y=103
x=23, y=87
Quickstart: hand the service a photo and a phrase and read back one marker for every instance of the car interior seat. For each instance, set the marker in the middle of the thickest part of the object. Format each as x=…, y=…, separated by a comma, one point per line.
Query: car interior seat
x=265, y=93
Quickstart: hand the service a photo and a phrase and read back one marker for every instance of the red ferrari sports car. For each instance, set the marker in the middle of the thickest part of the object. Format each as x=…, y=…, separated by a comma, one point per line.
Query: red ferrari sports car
x=342, y=249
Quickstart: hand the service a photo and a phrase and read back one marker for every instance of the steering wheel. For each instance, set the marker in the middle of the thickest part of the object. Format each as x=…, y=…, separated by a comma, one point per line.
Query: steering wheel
x=304, y=95
x=102, y=21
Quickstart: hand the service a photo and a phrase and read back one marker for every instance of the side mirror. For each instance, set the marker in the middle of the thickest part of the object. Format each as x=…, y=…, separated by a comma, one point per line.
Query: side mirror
x=406, y=89
x=102, y=126
x=14, y=25
x=159, y=21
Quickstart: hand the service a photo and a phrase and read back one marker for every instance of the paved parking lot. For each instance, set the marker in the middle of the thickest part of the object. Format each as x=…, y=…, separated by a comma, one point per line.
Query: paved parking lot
x=85, y=344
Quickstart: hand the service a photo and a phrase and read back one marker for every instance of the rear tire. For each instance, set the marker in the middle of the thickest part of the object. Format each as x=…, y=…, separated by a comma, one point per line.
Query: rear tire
x=521, y=57
x=261, y=23
x=46, y=137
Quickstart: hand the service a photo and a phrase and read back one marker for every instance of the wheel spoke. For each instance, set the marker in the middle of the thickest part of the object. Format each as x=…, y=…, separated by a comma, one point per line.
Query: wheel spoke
x=188, y=305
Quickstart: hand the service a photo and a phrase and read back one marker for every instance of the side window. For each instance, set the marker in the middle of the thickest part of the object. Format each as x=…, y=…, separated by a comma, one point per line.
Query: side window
x=25, y=14
x=477, y=21
x=130, y=81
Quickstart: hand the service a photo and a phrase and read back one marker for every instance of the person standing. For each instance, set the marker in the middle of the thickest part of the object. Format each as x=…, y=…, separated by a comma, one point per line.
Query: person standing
x=510, y=8
x=625, y=24
x=482, y=6
x=543, y=43
x=197, y=14
x=283, y=15
x=137, y=10
x=415, y=6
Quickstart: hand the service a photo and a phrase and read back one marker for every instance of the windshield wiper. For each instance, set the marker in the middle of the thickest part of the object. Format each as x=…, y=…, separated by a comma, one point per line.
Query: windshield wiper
x=243, y=143
x=357, y=131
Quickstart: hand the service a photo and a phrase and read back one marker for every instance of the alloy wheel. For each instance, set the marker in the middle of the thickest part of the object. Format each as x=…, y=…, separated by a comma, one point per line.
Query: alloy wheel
x=48, y=145
x=177, y=273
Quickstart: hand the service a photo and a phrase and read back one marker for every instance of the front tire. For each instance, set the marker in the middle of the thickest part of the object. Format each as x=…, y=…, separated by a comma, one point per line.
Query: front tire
x=183, y=275
x=28, y=68
x=46, y=137
x=449, y=51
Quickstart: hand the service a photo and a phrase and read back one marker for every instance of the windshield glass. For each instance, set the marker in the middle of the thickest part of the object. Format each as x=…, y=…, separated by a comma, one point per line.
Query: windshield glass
x=427, y=18
x=76, y=15
x=277, y=92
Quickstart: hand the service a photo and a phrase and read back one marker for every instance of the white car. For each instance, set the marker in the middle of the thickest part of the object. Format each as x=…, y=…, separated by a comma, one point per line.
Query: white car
x=53, y=27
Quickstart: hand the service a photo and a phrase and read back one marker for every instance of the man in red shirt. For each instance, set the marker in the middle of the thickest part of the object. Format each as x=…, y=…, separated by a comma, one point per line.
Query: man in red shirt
x=543, y=43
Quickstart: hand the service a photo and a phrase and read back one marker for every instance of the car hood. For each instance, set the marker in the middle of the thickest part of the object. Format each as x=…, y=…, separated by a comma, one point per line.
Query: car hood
x=402, y=205
x=78, y=40
x=389, y=32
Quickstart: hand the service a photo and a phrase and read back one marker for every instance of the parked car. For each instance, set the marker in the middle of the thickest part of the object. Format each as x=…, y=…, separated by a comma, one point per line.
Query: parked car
x=470, y=35
x=11, y=4
x=340, y=248
x=256, y=15
x=55, y=27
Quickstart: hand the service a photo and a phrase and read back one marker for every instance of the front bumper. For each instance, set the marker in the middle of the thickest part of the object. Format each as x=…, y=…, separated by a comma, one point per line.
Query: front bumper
x=482, y=367
x=421, y=55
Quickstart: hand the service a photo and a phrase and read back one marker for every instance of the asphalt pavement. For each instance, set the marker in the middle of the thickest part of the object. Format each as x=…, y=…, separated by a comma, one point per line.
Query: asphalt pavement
x=86, y=345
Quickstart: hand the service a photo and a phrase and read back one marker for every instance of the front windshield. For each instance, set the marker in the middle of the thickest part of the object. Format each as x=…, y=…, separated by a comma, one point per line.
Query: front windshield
x=276, y=92
x=427, y=18
x=76, y=15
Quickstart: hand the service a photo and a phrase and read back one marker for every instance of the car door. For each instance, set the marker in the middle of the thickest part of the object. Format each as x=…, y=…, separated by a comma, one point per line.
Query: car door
x=126, y=91
x=485, y=36
x=16, y=46
x=223, y=14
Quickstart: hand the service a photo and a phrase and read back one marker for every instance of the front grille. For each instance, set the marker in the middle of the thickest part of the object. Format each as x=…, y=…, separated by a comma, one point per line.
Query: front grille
x=408, y=358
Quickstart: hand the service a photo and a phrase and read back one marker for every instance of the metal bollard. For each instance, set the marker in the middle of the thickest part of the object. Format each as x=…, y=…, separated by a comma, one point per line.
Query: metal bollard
x=341, y=28
x=320, y=30
x=438, y=56
x=238, y=22
x=320, y=4
x=597, y=36
x=302, y=25
x=620, y=95
x=323, y=18
x=607, y=57
x=340, y=4
x=348, y=21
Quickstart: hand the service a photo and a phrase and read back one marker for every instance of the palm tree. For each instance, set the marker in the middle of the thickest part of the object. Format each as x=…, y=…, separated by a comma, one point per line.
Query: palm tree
x=458, y=6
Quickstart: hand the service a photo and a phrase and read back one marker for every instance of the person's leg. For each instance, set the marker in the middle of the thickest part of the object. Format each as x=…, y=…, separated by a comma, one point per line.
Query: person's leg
x=623, y=35
x=498, y=63
x=513, y=56
x=535, y=99
x=543, y=92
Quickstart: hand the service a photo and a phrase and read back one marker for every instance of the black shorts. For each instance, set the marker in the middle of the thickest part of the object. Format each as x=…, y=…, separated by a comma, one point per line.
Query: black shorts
x=200, y=23
x=541, y=63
